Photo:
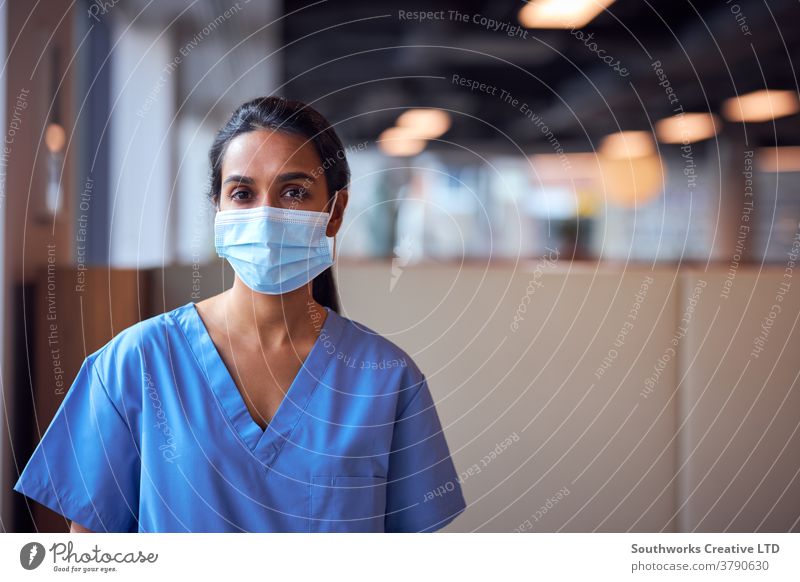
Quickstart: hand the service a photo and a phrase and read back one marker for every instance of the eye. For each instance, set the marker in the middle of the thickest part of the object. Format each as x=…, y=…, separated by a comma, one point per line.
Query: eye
x=239, y=195
x=296, y=193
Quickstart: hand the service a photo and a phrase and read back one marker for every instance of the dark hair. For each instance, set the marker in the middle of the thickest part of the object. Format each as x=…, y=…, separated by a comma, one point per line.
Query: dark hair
x=296, y=118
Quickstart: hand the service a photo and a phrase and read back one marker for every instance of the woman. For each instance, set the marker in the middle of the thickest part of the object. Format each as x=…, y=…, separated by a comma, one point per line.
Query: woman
x=262, y=408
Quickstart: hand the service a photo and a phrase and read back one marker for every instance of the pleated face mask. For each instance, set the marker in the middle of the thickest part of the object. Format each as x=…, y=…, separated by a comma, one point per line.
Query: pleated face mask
x=274, y=250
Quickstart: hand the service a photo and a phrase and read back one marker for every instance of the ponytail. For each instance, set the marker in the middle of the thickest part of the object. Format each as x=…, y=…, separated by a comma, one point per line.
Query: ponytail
x=324, y=290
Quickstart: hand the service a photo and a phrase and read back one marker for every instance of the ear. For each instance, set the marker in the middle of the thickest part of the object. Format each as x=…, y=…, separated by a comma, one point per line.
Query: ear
x=337, y=213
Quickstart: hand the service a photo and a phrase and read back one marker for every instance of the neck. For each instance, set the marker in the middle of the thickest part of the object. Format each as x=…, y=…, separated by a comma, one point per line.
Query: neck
x=274, y=319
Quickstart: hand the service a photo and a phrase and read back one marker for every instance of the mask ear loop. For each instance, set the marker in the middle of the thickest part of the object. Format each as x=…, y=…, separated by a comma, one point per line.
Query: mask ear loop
x=330, y=214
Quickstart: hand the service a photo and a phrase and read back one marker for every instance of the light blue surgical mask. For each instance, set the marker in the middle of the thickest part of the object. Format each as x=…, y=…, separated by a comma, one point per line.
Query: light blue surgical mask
x=274, y=250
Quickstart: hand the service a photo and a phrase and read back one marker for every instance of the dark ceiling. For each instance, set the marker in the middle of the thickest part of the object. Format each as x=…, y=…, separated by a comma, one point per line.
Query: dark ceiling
x=361, y=65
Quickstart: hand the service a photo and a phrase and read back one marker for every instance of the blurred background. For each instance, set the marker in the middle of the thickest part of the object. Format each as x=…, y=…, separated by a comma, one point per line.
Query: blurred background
x=581, y=218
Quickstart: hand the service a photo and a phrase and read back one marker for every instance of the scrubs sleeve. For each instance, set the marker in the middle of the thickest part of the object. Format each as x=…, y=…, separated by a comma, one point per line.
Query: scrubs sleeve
x=86, y=467
x=423, y=492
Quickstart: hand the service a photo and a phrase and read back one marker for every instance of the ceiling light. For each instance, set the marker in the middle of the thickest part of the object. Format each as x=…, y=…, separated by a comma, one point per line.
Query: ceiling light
x=426, y=123
x=561, y=13
x=687, y=127
x=633, y=181
x=763, y=105
x=400, y=141
x=55, y=137
x=568, y=166
x=627, y=144
x=782, y=159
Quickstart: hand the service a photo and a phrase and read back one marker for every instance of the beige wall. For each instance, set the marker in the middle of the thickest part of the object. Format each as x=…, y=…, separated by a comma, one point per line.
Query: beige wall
x=741, y=446
x=611, y=449
x=712, y=445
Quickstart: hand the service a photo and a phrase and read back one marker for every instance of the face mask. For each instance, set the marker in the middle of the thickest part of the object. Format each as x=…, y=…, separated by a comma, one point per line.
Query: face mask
x=274, y=250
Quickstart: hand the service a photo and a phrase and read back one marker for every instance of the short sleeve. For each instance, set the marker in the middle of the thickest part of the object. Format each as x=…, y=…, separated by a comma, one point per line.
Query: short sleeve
x=423, y=492
x=86, y=467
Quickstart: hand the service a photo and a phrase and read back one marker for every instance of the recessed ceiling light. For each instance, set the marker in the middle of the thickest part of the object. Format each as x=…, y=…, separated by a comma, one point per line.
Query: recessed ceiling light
x=400, y=141
x=687, y=127
x=569, y=166
x=427, y=123
x=781, y=159
x=627, y=144
x=561, y=13
x=763, y=105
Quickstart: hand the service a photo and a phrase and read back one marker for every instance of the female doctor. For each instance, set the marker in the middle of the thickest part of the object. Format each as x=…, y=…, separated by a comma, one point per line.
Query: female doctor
x=261, y=409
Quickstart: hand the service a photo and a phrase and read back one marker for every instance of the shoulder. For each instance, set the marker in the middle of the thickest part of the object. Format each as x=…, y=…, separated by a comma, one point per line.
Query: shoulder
x=153, y=330
x=376, y=350
x=384, y=365
x=126, y=355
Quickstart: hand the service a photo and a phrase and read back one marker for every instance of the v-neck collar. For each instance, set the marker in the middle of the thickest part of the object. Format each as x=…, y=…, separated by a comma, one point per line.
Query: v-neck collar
x=265, y=444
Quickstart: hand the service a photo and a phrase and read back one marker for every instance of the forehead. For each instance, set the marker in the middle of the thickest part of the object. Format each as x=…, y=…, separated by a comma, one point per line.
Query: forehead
x=268, y=152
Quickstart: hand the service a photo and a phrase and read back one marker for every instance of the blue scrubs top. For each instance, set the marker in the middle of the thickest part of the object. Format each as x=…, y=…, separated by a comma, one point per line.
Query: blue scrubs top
x=154, y=436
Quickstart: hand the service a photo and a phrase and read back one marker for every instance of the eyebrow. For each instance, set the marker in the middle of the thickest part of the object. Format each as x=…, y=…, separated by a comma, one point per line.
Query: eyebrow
x=239, y=179
x=295, y=176
x=286, y=177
